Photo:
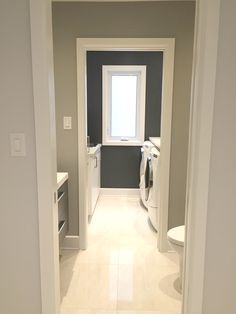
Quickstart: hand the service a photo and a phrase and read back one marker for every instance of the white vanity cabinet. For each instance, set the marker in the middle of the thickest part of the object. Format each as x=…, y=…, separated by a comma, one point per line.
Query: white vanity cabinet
x=94, y=170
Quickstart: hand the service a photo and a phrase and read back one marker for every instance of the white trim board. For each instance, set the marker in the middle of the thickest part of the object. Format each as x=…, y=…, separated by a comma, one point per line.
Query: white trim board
x=199, y=156
x=120, y=192
x=167, y=46
x=45, y=139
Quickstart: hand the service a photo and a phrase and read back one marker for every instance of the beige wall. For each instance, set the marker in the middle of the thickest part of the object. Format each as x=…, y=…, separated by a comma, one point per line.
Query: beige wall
x=220, y=260
x=19, y=239
x=149, y=19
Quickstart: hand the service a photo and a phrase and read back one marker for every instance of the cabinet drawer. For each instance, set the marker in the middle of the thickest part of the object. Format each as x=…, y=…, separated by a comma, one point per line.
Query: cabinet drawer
x=62, y=208
x=63, y=225
x=62, y=196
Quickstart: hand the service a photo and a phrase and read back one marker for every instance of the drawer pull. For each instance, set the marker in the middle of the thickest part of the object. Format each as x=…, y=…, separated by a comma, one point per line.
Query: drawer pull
x=61, y=225
x=60, y=195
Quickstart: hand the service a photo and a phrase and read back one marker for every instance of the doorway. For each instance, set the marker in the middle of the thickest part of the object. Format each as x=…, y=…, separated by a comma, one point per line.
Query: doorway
x=196, y=239
x=165, y=45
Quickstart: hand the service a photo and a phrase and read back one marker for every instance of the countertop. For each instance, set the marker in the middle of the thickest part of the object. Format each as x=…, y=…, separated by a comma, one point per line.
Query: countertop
x=94, y=149
x=156, y=141
x=61, y=178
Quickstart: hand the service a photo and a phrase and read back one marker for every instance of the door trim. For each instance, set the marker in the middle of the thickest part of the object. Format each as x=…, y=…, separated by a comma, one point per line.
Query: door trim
x=199, y=156
x=205, y=51
x=167, y=46
x=45, y=139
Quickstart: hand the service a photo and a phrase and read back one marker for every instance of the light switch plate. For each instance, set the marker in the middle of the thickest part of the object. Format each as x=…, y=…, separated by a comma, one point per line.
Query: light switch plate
x=67, y=123
x=17, y=143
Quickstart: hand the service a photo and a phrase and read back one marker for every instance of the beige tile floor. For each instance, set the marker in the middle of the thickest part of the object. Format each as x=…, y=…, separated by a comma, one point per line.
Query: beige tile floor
x=121, y=272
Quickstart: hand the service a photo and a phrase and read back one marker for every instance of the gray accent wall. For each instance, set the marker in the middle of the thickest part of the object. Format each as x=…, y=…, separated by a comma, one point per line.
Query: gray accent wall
x=140, y=19
x=120, y=165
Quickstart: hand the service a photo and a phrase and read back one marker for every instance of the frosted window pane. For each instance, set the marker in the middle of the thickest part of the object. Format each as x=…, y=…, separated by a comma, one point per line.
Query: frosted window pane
x=123, y=105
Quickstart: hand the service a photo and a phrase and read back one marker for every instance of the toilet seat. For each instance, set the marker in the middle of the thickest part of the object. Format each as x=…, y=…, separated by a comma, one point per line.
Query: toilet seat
x=176, y=235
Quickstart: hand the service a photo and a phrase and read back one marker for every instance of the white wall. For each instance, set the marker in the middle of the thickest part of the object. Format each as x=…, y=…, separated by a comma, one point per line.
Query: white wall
x=220, y=260
x=19, y=242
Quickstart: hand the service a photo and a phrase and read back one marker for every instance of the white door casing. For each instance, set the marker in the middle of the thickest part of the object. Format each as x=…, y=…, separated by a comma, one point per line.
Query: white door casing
x=205, y=51
x=200, y=138
x=45, y=130
x=201, y=118
x=166, y=45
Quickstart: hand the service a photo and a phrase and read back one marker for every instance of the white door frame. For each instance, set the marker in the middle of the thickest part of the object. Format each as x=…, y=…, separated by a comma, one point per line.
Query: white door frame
x=166, y=45
x=199, y=158
x=45, y=137
x=202, y=107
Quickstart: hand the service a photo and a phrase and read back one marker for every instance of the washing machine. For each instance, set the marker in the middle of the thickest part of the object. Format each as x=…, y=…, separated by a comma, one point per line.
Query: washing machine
x=144, y=171
x=153, y=199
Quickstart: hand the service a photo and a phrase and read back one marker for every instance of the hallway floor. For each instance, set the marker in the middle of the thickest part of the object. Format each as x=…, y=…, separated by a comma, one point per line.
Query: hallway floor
x=121, y=272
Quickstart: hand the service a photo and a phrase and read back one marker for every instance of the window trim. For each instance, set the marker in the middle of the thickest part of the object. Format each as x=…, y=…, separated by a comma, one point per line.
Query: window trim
x=107, y=72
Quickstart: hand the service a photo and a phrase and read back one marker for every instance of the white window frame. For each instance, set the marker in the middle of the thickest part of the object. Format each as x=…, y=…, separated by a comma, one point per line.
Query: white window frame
x=107, y=72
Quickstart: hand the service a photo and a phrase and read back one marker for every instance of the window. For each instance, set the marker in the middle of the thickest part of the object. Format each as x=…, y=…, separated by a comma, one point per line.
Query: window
x=124, y=89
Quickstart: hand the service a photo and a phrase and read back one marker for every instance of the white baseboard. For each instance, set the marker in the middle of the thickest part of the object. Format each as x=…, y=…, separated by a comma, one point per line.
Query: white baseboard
x=70, y=243
x=119, y=192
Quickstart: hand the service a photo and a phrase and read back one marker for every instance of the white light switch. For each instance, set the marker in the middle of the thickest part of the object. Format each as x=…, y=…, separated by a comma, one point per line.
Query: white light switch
x=67, y=123
x=17, y=141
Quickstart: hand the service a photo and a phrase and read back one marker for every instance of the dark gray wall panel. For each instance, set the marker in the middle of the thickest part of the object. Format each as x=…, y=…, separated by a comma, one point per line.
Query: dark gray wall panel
x=120, y=166
x=116, y=173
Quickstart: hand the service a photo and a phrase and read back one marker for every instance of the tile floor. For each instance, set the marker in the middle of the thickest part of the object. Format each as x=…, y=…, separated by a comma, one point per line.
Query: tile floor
x=121, y=272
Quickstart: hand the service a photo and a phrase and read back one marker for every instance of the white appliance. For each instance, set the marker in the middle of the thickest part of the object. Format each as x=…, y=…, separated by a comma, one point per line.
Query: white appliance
x=94, y=169
x=153, y=200
x=144, y=171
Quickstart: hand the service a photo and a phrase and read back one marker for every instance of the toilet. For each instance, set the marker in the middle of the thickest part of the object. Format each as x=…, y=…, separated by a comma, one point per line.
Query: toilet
x=175, y=238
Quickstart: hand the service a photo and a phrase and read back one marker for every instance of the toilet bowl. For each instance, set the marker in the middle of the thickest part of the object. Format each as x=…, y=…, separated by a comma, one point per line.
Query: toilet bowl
x=175, y=238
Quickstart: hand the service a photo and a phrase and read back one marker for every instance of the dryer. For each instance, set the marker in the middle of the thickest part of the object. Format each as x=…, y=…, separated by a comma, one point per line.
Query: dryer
x=144, y=171
x=153, y=200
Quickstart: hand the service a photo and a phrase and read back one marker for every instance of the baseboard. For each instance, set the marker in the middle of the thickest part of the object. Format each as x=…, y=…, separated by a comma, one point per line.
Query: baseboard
x=119, y=192
x=70, y=243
